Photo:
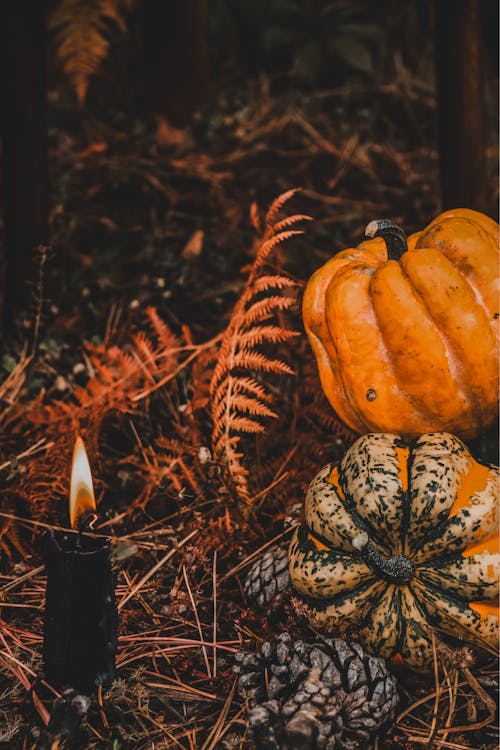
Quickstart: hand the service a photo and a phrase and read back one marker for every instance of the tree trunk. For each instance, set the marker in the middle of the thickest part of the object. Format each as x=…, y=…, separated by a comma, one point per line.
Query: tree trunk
x=174, y=57
x=461, y=105
x=25, y=148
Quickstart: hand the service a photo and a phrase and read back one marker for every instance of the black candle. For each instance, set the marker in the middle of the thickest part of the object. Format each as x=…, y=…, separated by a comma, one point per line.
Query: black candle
x=80, y=633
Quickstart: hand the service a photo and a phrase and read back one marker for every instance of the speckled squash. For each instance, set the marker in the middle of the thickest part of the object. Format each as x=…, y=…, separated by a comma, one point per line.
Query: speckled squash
x=400, y=539
x=406, y=332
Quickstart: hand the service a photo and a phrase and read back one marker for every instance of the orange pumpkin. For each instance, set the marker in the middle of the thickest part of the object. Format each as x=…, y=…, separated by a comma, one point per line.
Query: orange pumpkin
x=405, y=332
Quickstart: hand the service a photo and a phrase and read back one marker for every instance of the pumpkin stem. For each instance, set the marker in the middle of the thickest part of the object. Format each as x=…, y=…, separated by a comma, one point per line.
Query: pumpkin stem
x=396, y=569
x=395, y=238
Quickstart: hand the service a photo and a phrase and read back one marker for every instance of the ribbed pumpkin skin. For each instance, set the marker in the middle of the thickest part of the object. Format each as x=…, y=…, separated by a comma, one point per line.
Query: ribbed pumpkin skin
x=398, y=540
x=411, y=346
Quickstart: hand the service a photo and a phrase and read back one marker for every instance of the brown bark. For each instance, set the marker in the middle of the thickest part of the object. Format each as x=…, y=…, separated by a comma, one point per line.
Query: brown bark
x=25, y=147
x=174, y=57
x=461, y=105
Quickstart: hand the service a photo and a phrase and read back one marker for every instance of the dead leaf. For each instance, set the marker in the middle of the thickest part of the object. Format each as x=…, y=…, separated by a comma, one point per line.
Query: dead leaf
x=194, y=245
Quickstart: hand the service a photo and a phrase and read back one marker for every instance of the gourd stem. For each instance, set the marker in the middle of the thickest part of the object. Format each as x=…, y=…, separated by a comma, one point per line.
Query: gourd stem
x=395, y=238
x=396, y=569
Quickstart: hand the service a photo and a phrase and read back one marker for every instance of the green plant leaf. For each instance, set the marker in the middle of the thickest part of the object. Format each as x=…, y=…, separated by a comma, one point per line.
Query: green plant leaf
x=309, y=61
x=352, y=52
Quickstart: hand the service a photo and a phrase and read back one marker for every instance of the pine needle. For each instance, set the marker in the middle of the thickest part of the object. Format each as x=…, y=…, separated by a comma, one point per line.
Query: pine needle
x=218, y=730
x=155, y=569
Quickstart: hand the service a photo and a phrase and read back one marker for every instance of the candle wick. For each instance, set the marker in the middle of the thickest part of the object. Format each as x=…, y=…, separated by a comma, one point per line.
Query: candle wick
x=86, y=522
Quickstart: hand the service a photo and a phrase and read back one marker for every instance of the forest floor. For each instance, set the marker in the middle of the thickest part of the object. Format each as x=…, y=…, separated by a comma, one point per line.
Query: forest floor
x=152, y=249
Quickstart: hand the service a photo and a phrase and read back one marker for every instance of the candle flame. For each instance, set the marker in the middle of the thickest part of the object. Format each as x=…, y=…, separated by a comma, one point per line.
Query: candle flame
x=81, y=495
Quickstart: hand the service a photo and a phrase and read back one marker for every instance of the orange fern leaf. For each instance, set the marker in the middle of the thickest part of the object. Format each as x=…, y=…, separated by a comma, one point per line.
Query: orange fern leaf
x=257, y=361
x=119, y=374
x=263, y=283
x=167, y=340
x=252, y=386
x=266, y=308
x=268, y=246
x=271, y=334
x=239, y=402
x=82, y=30
x=170, y=464
x=248, y=404
x=276, y=206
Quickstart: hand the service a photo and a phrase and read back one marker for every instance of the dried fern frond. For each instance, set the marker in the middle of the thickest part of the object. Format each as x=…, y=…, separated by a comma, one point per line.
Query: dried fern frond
x=172, y=465
x=10, y=538
x=119, y=374
x=201, y=375
x=82, y=35
x=45, y=480
x=11, y=386
x=157, y=350
x=239, y=402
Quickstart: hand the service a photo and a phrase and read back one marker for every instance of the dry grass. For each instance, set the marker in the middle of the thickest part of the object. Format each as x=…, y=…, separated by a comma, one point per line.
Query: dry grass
x=182, y=536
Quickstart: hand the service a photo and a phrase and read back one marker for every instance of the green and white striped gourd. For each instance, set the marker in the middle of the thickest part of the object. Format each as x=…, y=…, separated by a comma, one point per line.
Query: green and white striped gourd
x=401, y=538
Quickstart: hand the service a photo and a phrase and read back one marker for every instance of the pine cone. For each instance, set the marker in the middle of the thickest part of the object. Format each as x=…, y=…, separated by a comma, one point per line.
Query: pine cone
x=269, y=576
x=327, y=695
